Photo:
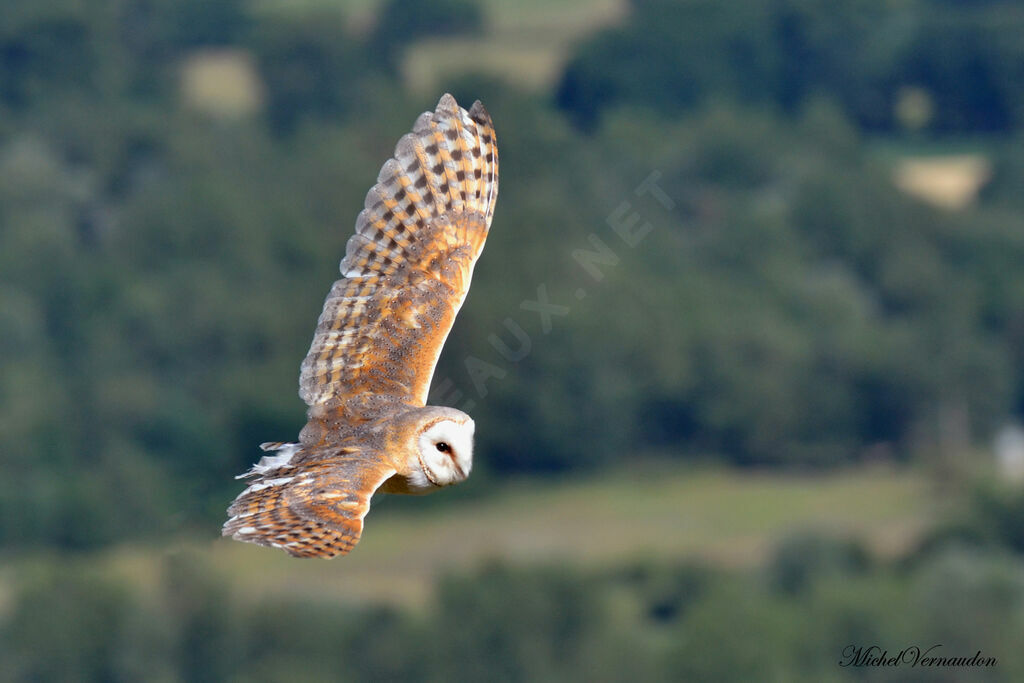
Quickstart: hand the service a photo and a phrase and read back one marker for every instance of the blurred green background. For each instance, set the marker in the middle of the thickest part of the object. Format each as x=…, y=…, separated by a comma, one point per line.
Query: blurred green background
x=776, y=420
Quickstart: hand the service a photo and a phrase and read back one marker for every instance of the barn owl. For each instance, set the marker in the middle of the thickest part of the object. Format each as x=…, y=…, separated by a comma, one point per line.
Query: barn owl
x=405, y=273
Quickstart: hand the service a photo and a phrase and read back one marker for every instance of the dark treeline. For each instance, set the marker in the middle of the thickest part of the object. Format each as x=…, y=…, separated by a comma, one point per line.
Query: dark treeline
x=862, y=54
x=161, y=269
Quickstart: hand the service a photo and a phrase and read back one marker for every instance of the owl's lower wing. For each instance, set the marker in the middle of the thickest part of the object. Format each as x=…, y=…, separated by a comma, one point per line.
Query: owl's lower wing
x=408, y=267
x=315, y=509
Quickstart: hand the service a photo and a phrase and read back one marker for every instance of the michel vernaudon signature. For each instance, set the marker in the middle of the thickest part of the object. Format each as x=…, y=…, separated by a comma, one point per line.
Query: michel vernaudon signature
x=873, y=655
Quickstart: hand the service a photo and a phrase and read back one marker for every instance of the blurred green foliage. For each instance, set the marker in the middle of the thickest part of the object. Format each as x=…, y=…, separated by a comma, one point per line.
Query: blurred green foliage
x=863, y=54
x=161, y=268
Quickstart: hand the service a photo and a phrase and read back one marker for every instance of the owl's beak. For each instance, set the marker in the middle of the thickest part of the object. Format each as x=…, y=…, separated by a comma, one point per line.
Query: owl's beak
x=457, y=468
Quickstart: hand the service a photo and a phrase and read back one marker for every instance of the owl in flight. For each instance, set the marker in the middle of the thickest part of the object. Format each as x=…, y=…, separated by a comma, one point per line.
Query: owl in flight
x=405, y=273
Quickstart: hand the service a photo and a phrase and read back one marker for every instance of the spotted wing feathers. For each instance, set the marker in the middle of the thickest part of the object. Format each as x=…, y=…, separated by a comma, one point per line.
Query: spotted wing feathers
x=309, y=509
x=408, y=267
x=448, y=165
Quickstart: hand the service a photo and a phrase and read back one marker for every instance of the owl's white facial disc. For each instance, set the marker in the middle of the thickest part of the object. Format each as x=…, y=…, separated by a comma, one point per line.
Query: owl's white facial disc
x=446, y=451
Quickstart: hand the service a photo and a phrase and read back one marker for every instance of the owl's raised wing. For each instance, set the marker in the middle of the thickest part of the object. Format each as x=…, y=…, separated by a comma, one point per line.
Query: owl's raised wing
x=408, y=267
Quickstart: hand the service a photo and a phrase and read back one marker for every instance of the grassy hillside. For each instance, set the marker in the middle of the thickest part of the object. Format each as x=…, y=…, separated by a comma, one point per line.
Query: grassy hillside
x=721, y=517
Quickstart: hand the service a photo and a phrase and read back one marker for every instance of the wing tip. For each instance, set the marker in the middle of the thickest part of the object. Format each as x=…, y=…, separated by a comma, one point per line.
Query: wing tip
x=478, y=112
x=447, y=104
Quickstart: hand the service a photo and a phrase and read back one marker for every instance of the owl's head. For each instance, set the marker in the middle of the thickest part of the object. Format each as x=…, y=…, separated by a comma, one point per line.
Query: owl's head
x=444, y=446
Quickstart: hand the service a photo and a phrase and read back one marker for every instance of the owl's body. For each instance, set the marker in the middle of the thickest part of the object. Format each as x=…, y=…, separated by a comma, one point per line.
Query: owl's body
x=406, y=273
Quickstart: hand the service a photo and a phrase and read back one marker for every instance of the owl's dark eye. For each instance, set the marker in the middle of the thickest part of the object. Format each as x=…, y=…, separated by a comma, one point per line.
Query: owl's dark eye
x=443, y=447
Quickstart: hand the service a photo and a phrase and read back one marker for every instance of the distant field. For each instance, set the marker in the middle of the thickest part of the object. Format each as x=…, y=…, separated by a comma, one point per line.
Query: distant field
x=948, y=182
x=524, y=41
x=947, y=174
x=722, y=517
x=527, y=42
